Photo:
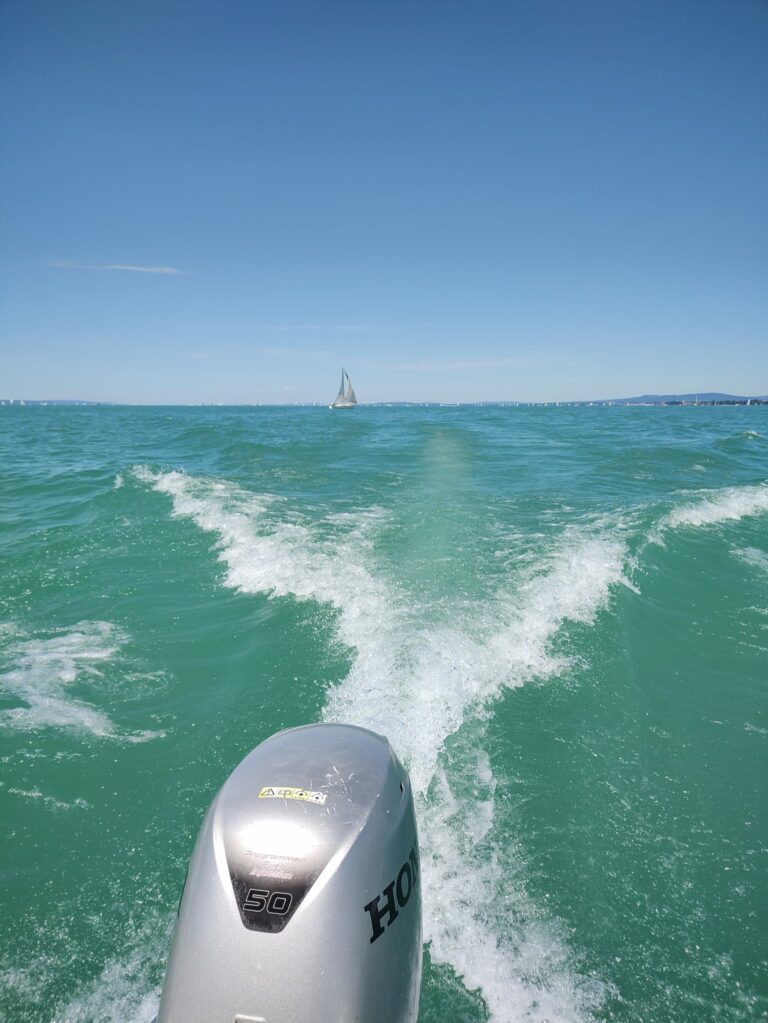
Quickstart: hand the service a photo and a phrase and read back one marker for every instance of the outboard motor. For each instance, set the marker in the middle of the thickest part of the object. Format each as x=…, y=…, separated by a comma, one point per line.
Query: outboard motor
x=303, y=899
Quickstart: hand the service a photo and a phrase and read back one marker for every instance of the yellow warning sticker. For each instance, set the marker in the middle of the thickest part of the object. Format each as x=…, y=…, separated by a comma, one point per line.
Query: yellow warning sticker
x=281, y=792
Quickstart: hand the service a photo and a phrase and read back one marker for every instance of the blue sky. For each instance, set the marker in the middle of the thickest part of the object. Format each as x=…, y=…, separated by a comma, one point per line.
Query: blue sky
x=536, y=200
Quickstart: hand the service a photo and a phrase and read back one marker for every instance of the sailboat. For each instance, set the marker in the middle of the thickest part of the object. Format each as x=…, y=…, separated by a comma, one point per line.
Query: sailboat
x=346, y=396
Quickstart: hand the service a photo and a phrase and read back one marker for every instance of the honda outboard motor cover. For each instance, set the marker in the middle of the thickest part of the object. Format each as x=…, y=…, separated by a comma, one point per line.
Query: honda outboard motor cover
x=303, y=899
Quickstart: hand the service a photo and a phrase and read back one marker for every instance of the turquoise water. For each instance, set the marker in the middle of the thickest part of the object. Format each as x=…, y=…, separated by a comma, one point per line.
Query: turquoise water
x=559, y=616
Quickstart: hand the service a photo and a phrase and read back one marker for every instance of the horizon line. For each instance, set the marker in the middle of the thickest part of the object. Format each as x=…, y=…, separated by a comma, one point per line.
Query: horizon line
x=687, y=397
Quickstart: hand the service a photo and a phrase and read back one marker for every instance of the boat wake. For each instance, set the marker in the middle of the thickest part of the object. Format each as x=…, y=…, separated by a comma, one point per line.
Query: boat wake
x=426, y=672
x=420, y=675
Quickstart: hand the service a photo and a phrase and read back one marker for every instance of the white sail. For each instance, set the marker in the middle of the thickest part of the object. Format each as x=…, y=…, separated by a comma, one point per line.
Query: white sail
x=340, y=396
x=346, y=397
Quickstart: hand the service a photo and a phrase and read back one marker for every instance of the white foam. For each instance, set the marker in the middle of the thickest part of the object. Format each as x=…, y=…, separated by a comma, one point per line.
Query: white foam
x=282, y=557
x=418, y=690
x=752, y=556
x=50, y=801
x=45, y=669
x=126, y=991
x=122, y=994
x=411, y=681
x=418, y=676
x=479, y=919
x=418, y=686
x=716, y=506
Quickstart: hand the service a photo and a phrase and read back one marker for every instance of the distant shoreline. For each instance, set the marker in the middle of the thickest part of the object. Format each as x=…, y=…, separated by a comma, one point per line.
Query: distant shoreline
x=661, y=402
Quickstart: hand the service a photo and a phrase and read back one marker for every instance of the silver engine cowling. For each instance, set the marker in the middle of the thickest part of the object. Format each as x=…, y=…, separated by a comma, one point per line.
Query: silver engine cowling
x=303, y=899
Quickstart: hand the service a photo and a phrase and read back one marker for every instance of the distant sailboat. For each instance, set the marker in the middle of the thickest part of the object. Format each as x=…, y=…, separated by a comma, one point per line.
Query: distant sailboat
x=346, y=396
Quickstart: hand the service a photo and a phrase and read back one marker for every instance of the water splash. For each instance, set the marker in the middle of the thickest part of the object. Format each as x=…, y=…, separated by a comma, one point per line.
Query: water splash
x=44, y=672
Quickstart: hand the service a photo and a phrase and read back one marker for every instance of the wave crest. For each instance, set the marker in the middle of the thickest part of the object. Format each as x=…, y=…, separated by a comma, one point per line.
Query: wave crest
x=714, y=507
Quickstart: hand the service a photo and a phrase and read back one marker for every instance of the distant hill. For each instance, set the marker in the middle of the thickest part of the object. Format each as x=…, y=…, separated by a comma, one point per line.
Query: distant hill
x=660, y=399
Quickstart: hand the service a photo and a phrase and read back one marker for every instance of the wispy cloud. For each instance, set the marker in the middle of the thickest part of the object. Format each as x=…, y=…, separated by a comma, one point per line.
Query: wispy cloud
x=291, y=350
x=355, y=328
x=130, y=267
x=449, y=365
x=246, y=350
x=296, y=328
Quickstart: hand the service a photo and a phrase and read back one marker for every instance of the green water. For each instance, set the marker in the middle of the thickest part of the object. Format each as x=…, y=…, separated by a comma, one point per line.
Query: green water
x=558, y=616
